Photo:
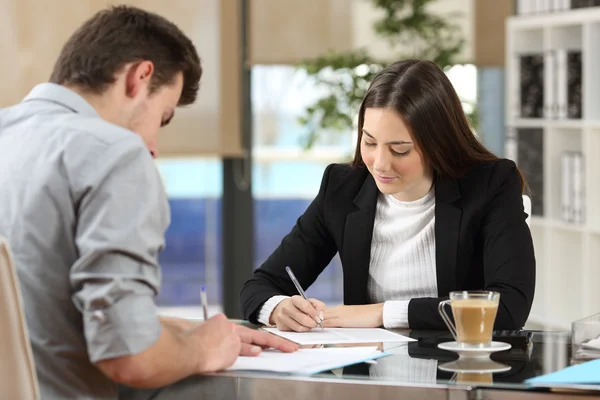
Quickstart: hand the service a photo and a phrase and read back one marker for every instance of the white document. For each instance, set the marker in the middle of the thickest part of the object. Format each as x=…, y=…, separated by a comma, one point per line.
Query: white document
x=593, y=344
x=306, y=361
x=341, y=336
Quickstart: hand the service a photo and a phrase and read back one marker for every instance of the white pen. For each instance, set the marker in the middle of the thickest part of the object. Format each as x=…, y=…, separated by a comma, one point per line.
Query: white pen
x=204, y=302
x=300, y=290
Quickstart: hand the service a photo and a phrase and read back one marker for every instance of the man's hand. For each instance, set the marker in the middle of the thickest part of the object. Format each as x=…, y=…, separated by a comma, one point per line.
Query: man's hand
x=219, y=342
x=215, y=343
x=297, y=314
x=182, y=349
x=180, y=324
x=253, y=341
x=367, y=316
x=187, y=348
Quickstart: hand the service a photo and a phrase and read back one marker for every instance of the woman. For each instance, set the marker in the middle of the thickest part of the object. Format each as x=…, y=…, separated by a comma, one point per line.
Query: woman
x=424, y=209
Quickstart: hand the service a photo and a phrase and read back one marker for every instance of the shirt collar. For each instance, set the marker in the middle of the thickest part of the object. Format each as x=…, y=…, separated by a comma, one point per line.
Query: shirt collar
x=63, y=96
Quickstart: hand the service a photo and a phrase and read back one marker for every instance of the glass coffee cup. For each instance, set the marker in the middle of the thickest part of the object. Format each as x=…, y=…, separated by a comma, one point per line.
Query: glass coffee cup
x=474, y=377
x=474, y=315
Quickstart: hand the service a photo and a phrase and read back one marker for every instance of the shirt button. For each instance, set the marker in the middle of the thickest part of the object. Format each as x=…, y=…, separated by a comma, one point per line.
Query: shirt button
x=99, y=316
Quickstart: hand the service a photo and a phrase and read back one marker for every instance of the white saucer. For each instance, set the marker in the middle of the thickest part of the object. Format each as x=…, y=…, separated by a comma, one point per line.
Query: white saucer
x=474, y=365
x=473, y=352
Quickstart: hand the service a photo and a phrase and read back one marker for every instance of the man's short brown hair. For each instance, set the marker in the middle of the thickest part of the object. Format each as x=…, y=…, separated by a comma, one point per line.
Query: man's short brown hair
x=120, y=35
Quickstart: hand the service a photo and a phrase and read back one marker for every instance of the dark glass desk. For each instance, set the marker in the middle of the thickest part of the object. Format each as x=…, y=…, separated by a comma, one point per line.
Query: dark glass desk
x=414, y=371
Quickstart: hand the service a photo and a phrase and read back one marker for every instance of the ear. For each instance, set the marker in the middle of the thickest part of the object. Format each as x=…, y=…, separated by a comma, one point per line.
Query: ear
x=137, y=78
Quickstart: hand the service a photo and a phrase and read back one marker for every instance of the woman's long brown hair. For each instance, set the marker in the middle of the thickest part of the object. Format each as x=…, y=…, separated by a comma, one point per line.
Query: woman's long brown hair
x=421, y=93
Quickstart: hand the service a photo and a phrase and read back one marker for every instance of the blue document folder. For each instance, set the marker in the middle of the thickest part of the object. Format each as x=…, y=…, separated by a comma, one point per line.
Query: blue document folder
x=587, y=373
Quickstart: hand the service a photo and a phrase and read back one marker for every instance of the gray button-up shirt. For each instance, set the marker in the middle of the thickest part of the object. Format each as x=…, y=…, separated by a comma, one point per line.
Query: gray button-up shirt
x=84, y=210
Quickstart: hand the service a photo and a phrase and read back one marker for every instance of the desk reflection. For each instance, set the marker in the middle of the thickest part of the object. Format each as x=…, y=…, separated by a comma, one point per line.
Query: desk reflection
x=418, y=369
x=418, y=363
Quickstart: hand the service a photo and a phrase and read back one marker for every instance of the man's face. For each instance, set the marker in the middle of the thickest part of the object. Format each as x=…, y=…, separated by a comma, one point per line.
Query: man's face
x=152, y=111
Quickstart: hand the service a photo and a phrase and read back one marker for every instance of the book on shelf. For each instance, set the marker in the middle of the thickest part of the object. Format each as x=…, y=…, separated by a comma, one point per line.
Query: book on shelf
x=574, y=78
x=572, y=187
x=531, y=85
x=525, y=146
x=584, y=3
x=563, y=79
x=550, y=84
x=561, y=84
x=565, y=190
x=533, y=7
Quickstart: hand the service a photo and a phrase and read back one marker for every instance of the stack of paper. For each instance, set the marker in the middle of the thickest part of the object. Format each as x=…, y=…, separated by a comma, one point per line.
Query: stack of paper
x=341, y=336
x=588, y=350
x=306, y=361
x=593, y=344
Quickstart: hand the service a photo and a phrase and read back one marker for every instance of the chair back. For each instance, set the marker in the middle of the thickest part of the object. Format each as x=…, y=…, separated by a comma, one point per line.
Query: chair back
x=527, y=207
x=18, y=378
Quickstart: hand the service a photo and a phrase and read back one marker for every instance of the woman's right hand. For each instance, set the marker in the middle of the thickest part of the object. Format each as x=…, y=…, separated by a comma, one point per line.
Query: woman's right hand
x=298, y=315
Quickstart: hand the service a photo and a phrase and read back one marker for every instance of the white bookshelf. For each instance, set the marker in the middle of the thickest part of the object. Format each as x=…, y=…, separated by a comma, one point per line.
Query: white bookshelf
x=568, y=254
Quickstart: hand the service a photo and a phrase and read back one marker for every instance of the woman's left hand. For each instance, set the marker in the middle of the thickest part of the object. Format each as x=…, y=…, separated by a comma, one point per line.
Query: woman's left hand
x=367, y=316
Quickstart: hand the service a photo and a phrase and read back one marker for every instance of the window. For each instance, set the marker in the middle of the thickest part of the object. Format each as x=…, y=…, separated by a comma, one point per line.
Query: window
x=286, y=177
x=192, y=256
x=464, y=80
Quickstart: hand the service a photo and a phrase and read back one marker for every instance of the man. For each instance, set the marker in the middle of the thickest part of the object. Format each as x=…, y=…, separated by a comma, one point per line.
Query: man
x=84, y=210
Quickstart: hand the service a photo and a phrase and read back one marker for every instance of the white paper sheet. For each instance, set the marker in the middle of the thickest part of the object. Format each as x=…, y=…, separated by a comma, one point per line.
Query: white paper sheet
x=306, y=361
x=593, y=344
x=341, y=336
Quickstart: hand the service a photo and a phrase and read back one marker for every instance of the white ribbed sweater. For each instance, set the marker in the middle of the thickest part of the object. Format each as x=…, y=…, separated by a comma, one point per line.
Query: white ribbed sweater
x=402, y=263
x=402, y=256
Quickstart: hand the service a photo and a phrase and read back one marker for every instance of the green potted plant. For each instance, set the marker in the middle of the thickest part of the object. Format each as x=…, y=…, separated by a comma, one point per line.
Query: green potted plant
x=412, y=30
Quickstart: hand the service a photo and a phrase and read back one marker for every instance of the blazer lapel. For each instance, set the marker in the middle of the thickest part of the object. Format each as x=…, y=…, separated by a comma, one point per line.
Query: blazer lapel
x=448, y=216
x=358, y=232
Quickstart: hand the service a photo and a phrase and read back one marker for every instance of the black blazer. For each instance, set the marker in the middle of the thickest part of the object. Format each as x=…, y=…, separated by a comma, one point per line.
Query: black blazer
x=482, y=243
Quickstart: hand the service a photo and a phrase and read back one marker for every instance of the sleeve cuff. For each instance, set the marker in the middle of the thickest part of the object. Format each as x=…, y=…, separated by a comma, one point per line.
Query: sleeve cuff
x=127, y=327
x=395, y=314
x=265, y=312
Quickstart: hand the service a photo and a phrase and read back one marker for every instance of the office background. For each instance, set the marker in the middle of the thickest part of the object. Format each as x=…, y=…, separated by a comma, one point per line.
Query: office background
x=235, y=165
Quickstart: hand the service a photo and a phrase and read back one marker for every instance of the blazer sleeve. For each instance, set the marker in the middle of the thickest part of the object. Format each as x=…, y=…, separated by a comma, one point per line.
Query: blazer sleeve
x=307, y=249
x=508, y=256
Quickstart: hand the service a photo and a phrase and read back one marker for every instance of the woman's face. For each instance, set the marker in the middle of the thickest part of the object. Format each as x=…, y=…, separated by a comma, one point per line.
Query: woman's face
x=389, y=152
